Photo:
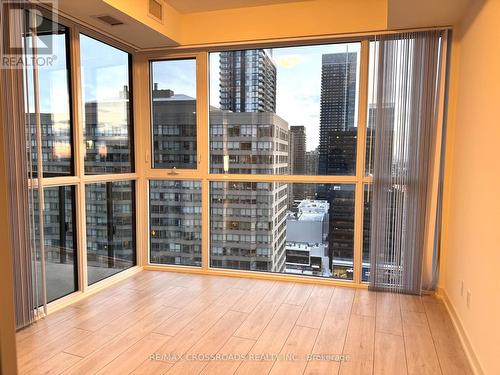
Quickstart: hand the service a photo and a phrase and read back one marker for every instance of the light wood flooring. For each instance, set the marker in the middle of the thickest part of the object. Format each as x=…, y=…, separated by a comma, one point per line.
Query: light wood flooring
x=222, y=325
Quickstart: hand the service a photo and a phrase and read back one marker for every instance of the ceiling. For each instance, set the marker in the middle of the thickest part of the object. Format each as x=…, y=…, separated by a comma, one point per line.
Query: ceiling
x=132, y=32
x=192, y=6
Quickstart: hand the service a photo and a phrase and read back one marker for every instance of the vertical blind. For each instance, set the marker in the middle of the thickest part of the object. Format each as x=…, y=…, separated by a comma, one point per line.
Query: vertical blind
x=405, y=89
x=14, y=117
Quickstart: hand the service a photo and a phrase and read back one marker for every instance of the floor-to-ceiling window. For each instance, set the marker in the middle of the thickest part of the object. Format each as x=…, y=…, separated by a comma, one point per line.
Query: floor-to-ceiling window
x=80, y=144
x=108, y=140
x=50, y=147
x=239, y=160
x=258, y=160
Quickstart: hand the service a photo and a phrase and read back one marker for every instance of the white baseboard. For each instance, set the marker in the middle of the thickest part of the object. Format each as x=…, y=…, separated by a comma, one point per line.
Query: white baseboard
x=464, y=337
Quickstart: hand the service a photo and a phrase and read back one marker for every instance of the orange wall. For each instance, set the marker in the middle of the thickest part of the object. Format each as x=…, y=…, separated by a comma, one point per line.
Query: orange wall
x=471, y=241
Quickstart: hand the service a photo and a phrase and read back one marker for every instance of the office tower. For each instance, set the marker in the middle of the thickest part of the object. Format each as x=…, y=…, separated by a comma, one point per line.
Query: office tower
x=174, y=129
x=307, y=239
x=338, y=135
x=253, y=143
x=297, y=150
x=297, y=161
x=311, y=162
x=247, y=81
x=386, y=114
x=250, y=232
x=175, y=222
x=337, y=153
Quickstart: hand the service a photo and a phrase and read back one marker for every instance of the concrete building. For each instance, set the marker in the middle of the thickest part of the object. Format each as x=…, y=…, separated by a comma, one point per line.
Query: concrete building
x=175, y=222
x=248, y=220
x=174, y=130
x=307, y=239
x=252, y=143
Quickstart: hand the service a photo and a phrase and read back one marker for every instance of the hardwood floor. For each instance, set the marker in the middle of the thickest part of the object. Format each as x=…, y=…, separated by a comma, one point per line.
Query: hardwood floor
x=222, y=325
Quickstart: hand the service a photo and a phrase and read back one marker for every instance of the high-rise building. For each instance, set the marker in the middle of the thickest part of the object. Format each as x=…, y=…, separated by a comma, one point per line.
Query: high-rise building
x=249, y=233
x=252, y=143
x=174, y=129
x=297, y=161
x=175, y=222
x=337, y=153
x=311, y=162
x=338, y=135
x=247, y=81
x=297, y=150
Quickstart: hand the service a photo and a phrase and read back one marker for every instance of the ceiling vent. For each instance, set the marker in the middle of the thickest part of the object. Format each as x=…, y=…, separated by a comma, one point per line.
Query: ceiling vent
x=156, y=9
x=110, y=20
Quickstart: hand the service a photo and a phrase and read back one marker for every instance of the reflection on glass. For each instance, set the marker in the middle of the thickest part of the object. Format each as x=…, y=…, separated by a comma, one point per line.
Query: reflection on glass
x=105, y=86
x=59, y=242
x=174, y=113
x=110, y=228
x=175, y=222
x=53, y=94
x=297, y=228
x=285, y=110
x=385, y=114
x=367, y=212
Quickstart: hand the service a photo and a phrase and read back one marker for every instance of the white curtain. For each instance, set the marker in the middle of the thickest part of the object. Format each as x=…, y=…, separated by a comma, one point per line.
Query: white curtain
x=14, y=117
x=406, y=92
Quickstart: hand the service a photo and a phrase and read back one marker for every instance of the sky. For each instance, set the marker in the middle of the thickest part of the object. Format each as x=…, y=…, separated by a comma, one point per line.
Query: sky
x=298, y=84
x=298, y=79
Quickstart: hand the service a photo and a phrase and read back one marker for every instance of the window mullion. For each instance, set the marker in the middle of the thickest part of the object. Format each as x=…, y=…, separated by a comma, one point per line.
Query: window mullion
x=360, y=159
x=202, y=106
x=142, y=154
x=79, y=154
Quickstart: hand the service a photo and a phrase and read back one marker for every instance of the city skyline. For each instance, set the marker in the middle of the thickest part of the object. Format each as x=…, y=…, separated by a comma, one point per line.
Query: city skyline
x=298, y=84
x=262, y=143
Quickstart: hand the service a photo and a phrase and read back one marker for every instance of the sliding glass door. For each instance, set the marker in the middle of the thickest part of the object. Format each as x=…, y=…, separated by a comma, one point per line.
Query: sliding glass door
x=80, y=152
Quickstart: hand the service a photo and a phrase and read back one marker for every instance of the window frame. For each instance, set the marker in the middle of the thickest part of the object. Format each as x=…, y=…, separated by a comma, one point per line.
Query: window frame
x=174, y=170
x=141, y=136
x=202, y=173
x=79, y=179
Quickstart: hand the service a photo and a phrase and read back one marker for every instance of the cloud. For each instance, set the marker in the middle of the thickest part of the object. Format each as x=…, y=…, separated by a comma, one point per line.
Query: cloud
x=288, y=61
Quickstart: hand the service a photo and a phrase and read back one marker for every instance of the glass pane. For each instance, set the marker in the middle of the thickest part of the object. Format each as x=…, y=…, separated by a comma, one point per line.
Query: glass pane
x=59, y=242
x=174, y=113
x=53, y=94
x=175, y=222
x=387, y=114
x=110, y=208
x=108, y=129
x=367, y=212
x=294, y=228
x=285, y=110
